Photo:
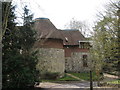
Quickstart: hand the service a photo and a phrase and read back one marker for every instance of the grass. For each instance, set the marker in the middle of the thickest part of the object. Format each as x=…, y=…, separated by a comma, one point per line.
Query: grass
x=65, y=78
x=85, y=76
x=114, y=82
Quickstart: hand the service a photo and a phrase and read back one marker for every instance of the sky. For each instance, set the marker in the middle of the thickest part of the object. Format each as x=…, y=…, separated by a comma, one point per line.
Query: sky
x=60, y=12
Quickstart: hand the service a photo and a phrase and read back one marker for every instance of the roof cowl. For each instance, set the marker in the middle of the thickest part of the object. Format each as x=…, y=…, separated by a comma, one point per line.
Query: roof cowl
x=41, y=19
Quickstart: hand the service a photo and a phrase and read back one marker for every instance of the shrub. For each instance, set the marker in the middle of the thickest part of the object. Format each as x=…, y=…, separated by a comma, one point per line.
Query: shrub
x=50, y=75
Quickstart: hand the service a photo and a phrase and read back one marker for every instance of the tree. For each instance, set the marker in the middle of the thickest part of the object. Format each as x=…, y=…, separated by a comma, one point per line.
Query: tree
x=19, y=59
x=10, y=50
x=27, y=36
x=105, y=41
x=27, y=40
x=5, y=14
x=79, y=25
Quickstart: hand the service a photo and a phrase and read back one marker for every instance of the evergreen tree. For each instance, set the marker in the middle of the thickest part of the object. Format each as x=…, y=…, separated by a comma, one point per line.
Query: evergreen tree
x=19, y=59
x=10, y=50
x=27, y=40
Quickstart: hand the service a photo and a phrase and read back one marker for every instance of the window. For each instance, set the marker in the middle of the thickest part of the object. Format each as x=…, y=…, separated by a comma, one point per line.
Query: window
x=83, y=45
x=85, y=61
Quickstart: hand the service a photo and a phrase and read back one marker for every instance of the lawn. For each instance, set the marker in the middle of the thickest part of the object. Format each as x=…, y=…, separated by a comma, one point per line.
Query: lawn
x=65, y=78
x=85, y=75
x=114, y=82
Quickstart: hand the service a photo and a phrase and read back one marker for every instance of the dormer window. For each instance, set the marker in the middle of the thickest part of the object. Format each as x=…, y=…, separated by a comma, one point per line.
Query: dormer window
x=84, y=44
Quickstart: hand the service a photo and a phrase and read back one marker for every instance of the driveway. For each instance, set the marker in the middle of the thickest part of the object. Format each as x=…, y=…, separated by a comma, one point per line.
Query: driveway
x=66, y=85
x=75, y=84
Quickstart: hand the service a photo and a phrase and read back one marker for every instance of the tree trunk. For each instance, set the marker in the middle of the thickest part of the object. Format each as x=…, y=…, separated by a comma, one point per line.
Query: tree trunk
x=91, y=81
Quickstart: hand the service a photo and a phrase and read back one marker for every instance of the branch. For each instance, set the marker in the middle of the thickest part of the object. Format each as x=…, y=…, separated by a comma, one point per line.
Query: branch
x=7, y=10
x=117, y=6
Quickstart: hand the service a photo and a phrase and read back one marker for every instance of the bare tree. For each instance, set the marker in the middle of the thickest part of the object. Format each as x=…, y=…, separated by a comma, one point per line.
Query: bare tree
x=79, y=25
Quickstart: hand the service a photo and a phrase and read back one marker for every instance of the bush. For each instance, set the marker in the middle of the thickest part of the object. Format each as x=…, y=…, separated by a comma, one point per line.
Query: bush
x=50, y=75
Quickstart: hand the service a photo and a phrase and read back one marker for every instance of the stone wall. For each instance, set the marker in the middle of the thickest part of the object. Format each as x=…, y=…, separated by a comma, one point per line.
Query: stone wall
x=51, y=60
x=75, y=62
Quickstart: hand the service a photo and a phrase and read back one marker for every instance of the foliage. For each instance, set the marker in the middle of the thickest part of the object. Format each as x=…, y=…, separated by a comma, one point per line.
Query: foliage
x=104, y=52
x=19, y=59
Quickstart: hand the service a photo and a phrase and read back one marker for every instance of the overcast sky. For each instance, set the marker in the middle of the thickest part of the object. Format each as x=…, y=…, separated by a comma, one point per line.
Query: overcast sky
x=60, y=12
